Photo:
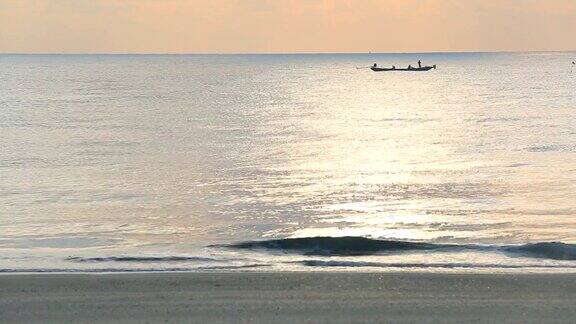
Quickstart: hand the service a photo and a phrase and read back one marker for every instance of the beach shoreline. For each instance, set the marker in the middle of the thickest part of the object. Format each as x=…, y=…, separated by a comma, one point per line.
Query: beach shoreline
x=287, y=297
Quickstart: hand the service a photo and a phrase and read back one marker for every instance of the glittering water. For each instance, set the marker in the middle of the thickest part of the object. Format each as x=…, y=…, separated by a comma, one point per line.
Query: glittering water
x=118, y=162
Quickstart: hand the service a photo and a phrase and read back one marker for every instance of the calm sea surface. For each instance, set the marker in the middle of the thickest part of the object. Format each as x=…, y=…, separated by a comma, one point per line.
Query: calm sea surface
x=287, y=162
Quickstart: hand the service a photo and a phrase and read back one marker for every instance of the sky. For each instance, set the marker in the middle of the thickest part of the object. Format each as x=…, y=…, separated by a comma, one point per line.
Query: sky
x=286, y=26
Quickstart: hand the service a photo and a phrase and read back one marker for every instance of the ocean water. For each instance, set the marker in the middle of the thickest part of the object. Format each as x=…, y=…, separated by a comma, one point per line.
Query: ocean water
x=287, y=163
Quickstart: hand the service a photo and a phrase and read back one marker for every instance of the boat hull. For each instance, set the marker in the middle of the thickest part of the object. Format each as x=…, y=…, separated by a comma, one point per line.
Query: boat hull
x=419, y=69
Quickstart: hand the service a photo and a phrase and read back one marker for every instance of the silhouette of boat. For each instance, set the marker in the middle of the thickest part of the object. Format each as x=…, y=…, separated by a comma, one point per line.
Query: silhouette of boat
x=414, y=69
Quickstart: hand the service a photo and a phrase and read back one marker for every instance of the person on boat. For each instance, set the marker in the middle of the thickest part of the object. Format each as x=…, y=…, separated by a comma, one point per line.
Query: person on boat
x=409, y=66
x=393, y=67
x=375, y=65
x=419, y=64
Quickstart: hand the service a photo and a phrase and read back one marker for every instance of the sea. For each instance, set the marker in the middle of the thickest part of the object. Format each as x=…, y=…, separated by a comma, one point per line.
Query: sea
x=288, y=162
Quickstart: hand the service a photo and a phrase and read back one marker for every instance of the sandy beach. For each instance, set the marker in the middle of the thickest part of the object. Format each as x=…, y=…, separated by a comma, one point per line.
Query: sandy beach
x=287, y=297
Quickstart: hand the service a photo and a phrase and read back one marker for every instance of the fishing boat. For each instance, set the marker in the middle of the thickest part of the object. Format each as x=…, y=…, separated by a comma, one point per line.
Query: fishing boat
x=412, y=69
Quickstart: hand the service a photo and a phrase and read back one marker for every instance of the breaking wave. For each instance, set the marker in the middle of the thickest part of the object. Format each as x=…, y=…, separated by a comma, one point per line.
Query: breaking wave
x=342, y=246
x=347, y=264
x=546, y=250
x=142, y=259
x=359, y=246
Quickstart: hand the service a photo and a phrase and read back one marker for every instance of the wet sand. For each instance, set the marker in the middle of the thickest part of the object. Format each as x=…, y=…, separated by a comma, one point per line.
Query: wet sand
x=288, y=297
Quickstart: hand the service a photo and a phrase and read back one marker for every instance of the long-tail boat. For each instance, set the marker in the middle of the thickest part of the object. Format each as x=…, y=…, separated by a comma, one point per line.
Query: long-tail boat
x=412, y=69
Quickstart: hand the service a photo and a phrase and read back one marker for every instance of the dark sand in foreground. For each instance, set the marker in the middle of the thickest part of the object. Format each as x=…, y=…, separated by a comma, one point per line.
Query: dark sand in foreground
x=288, y=297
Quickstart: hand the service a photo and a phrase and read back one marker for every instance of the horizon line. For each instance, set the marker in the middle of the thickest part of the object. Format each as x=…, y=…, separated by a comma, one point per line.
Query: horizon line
x=285, y=53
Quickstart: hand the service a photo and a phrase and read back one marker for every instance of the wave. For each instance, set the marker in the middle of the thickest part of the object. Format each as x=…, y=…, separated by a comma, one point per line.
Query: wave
x=238, y=267
x=546, y=250
x=359, y=246
x=142, y=259
x=347, y=264
x=130, y=270
x=341, y=246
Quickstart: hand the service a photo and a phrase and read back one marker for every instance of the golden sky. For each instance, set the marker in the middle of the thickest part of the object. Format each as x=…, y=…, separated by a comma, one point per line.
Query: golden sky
x=224, y=26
